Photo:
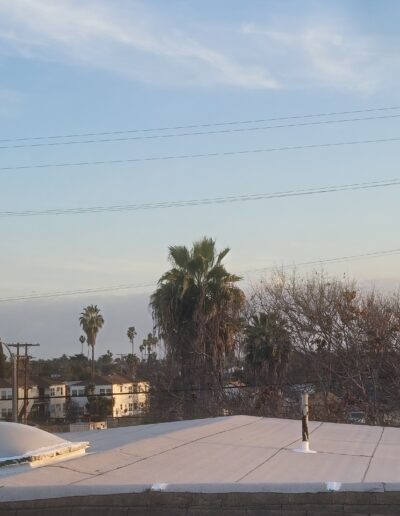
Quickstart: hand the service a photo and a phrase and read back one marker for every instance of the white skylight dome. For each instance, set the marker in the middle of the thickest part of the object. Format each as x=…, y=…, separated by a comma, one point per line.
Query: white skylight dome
x=22, y=443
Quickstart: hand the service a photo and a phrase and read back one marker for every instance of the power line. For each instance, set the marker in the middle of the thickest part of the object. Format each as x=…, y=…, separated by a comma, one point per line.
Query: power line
x=203, y=201
x=198, y=133
x=349, y=258
x=195, y=126
x=67, y=293
x=375, y=254
x=200, y=155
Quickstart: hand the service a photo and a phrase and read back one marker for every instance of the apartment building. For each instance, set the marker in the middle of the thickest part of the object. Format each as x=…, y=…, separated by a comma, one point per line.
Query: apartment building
x=5, y=399
x=59, y=400
x=129, y=397
x=25, y=403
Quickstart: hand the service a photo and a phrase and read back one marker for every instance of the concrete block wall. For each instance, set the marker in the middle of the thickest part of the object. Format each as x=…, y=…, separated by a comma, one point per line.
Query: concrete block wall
x=213, y=500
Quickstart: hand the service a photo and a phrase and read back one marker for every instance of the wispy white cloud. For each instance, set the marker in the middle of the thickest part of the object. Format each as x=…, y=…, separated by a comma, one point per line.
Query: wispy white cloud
x=324, y=53
x=134, y=39
x=127, y=39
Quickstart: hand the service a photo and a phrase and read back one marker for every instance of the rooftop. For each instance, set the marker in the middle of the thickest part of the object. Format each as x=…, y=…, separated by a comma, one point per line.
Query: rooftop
x=111, y=379
x=235, y=450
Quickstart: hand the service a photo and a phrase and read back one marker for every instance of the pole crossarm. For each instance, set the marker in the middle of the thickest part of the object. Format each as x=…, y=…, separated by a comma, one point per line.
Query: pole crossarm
x=15, y=358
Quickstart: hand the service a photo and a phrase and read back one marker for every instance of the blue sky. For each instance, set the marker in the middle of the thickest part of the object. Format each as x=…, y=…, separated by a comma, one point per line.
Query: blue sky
x=71, y=67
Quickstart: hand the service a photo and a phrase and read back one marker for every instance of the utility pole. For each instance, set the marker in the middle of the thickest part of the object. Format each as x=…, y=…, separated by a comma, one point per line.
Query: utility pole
x=16, y=362
x=14, y=383
x=123, y=357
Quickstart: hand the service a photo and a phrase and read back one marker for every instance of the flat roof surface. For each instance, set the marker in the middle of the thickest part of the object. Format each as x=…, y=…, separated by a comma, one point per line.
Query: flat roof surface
x=235, y=449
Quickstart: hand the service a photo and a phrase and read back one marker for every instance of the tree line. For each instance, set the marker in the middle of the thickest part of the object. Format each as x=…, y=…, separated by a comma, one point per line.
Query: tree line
x=224, y=351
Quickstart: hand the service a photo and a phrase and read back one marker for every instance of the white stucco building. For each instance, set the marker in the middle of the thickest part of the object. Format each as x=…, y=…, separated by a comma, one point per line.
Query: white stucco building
x=129, y=397
x=57, y=400
x=6, y=395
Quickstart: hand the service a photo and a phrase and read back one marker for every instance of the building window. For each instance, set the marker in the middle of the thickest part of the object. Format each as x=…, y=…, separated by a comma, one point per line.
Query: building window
x=3, y=395
x=102, y=391
x=109, y=391
x=130, y=407
x=120, y=388
x=52, y=391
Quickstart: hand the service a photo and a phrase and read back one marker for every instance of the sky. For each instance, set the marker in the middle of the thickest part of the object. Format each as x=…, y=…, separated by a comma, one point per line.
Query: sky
x=71, y=71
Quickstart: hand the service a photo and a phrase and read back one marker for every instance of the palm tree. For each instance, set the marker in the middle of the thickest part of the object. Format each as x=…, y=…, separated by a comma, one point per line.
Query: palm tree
x=148, y=345
x=196, y=310
x=91, y=321
x=131, y=333
x=268, y=346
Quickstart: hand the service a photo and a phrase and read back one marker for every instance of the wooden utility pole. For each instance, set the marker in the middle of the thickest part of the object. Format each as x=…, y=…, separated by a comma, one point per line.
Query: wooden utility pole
x=14, y=383
x=17, y=357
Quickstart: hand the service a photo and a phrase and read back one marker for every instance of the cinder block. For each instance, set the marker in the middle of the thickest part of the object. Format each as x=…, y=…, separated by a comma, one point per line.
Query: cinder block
x=157, y=498
x=323, y=508
x=264, y=512
x=389, y=497
x=251, y=499
x=355, y=498
x=212, y=500
x=226, y=511
x=368, y=509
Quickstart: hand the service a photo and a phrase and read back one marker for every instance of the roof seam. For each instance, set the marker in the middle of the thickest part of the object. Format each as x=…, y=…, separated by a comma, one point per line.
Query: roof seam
x=373, y=454
x=275, y=454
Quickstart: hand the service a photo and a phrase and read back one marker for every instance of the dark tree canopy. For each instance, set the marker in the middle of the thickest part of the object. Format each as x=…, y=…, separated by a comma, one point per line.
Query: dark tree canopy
x=196, y=309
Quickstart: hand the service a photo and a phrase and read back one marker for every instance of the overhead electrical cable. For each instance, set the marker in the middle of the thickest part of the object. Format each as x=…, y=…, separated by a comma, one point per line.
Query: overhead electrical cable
x=198, y=133
x=199, y=155
x=364, y=256
x=195, y=126
x=203, y=201
x=65, y=293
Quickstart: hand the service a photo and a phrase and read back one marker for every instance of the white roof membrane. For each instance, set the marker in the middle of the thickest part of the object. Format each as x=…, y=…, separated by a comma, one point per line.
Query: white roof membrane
x=234, y=450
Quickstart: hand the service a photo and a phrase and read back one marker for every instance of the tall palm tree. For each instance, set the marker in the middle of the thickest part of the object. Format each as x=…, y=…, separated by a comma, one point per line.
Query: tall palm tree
x=131, y=333
x=196, y=310
x=91, y=321
x=148, y=345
